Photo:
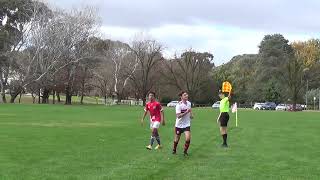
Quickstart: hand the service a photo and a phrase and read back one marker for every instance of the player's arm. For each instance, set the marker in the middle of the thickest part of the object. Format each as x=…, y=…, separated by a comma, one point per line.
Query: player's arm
x=180, y=115
x=144, y=115
x=191, y=115
x=163, y=122
x=218, y=118
x=229, y=96
x=162, y=118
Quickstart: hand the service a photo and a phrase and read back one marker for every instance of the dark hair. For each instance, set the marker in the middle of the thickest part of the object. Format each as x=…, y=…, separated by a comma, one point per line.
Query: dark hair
x=151, y=92
x=224, y=93
x=181, y=93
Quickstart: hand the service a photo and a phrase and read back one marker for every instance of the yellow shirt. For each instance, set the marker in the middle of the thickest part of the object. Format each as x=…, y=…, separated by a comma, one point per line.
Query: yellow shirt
x=224, y=105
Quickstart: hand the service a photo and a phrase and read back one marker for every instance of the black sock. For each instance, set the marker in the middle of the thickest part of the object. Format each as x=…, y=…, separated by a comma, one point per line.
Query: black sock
x=175, y=144
x=151, y=140
x=158, y=139
x=224, y=137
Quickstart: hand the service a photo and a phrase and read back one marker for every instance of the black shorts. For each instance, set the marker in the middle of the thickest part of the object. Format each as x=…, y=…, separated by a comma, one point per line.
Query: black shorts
x=224, y=118
x=179, y=131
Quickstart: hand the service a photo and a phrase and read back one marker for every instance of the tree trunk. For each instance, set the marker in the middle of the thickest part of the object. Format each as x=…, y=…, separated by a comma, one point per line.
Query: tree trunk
x=82, y=90
x=13, y=97
x=4, y=99
x=118, y=98
x=68, y=96
x=39, y=97
x=15, y=94
x=20, y=98
x=3, y=91
x=33, y=98
x=58, y=97
x=294, y=99
x=54, y=97
x=45, y=96
x=144, y=100
x=81, y=100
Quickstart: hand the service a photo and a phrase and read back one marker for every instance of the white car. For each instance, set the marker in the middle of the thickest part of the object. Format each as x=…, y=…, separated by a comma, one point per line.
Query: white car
x=282, y=107
x=259, y=106
x=216, y=105
x=172, y=104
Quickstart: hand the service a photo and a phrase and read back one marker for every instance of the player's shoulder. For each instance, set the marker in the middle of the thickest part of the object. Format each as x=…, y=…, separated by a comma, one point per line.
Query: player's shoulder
x=188, y=103
x=157, y=103
x=179, y=104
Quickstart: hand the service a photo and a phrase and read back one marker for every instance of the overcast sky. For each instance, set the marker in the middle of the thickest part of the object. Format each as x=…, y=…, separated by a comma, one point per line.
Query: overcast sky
x=223, y=27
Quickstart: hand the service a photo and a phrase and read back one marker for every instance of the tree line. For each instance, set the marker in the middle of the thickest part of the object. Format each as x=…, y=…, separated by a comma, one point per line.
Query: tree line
x=281, y=72
x=53, y=52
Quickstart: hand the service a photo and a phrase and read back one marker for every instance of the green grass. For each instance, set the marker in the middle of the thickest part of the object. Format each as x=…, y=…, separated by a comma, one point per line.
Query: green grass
x=75, y=99
x=59, y=142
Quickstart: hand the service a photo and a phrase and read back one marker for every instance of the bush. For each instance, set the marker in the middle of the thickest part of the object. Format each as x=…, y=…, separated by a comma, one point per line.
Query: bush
x=165, y=100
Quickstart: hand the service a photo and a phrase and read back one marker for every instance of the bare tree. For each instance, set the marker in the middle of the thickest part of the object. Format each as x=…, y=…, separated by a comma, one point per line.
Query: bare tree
x=148, y=54
x=189, y=72
x=103, y=80
x=124, y=64
x=56, y=47
x=21, y=23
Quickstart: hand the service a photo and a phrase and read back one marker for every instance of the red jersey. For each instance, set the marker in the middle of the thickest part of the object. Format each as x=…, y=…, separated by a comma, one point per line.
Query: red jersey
x=155, y=110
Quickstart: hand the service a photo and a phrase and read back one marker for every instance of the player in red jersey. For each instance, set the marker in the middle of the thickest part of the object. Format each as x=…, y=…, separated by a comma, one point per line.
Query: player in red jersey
x=156, y=118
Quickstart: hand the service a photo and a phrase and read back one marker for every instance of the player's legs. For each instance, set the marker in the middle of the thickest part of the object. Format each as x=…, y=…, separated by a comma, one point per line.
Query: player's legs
x=151, y=140
x=157, y=137
x=156, y=132
x=223, y=130
x=224, y=118
x=224, y=135
x=177, y=136
x=187, y=143
x=154, y=125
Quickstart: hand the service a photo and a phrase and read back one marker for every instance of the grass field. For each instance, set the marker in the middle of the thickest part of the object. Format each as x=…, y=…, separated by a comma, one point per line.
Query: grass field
x=25, y=99
x=98, y=142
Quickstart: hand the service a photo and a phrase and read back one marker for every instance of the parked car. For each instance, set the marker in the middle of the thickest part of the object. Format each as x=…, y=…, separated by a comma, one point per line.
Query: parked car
x=298, y=107
x=172, y=104
x=270, y=105
x=259, y=106
x=282, y=107
x=216, y=105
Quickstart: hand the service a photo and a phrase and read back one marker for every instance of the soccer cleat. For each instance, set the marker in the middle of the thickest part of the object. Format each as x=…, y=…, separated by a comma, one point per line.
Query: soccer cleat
x=224, y=146
x=149, y=147
x=158, y=147
x=174, y=152
x=185, y=154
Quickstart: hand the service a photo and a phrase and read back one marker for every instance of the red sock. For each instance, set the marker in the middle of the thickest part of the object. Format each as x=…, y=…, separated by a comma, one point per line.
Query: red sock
x=175, y=144
x=186, y=146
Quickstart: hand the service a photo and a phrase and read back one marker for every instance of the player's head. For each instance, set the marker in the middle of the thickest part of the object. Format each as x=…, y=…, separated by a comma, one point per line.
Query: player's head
x=222, y=94
x=151, y=96
x=183, y=95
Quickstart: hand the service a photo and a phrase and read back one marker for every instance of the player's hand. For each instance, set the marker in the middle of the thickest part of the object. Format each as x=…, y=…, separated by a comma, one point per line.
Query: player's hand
x=142, y=122
x=189, y=110
x=163, y=123
x=191, y=117
x=218, y=121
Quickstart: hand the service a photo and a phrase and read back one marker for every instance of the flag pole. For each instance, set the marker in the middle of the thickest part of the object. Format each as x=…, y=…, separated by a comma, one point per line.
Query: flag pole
x=237, y=115
x=237, y=118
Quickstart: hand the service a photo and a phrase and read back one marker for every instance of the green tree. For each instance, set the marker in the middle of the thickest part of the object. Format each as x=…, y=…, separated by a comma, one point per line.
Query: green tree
x=241, y=72
x=272, y=94
x=190, y=72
